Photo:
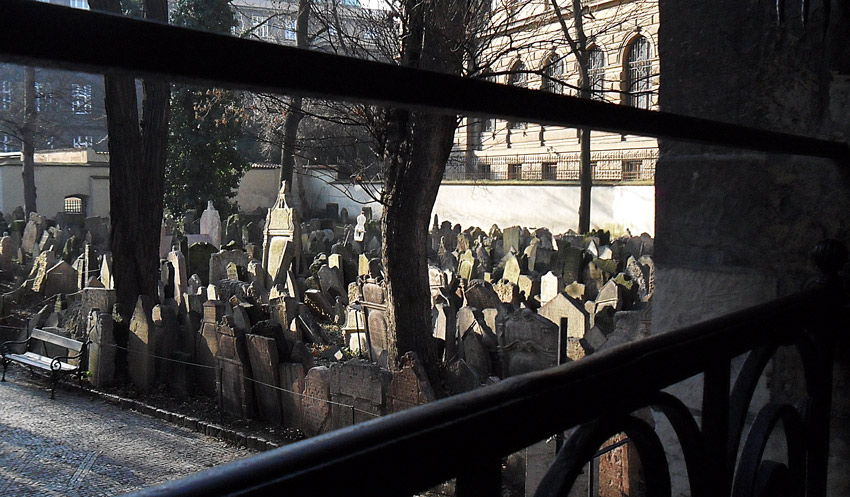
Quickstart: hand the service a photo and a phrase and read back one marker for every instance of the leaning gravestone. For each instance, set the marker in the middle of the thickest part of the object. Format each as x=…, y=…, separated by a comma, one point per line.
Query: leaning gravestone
x=292, y=382
x=316, y=408
x=529, y=343
x=281, y=228
x=265, y=369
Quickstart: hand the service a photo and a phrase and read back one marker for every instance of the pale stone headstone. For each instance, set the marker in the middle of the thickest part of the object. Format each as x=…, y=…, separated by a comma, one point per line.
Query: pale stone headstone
x=481, y=295
x=282, y=226
x=359, y=384
x=6, y=253
x=42, y=264
x=512, y=269
x=360, y=228
x=610, y=296
x=178, y=262
x=106, y=272
x=564, y=307
x=164, y=242
x=550, y=286
x=211, y=224
x=511, y=238
x=234, y=382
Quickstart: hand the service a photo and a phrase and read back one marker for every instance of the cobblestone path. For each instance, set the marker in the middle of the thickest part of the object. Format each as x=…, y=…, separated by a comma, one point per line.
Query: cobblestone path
x=79, y=445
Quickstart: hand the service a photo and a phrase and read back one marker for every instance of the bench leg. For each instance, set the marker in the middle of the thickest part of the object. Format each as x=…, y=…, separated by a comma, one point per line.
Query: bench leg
x=5, y=365
x=54, y=379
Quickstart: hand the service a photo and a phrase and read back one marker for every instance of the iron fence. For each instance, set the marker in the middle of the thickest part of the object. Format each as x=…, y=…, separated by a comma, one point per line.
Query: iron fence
x=465, y=437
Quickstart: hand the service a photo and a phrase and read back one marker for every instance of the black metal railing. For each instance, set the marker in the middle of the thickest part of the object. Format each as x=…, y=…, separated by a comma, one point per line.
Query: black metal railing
x=627, y=165
x=465, y=437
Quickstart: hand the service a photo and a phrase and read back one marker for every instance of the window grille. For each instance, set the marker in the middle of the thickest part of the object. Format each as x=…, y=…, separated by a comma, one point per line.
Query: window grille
x=5, y=95
x=80, y=4
x=632, y=170
x=553, y=71
x=80, y=99
x=514, y=171
x=549, y=171
x=638, y=74
x=73, y=205
x=596, y=73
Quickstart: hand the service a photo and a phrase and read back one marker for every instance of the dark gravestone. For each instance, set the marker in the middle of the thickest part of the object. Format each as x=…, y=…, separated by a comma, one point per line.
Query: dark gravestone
x=265, y=370
x=292, y=383
x=199, y=260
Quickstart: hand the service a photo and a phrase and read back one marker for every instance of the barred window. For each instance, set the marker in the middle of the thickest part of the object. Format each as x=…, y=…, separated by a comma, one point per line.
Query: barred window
x=83, y=141
x=638, y=74
x=549, y=171
x=80, y=99
x=631, y=169
x=73, y=205
x=553, y=71
x=289, y=30
x=596, y=73
x=514, y=171
x=261, y=27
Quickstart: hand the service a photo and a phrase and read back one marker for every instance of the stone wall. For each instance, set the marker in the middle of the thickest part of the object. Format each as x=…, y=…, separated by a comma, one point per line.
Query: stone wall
x=734, y=227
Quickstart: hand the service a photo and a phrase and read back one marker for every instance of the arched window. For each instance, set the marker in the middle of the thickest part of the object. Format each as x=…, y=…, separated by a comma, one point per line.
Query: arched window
x=75, y=204
x=518, y=77
x=638, y=74
x=596, y=73
x=553, y=71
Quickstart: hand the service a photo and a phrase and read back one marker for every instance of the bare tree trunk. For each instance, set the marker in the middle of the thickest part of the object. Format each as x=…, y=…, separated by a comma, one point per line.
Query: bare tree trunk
x=28, y=142
x=136, y=174
x=586, y=182
x=417, y=148
x=296, y=113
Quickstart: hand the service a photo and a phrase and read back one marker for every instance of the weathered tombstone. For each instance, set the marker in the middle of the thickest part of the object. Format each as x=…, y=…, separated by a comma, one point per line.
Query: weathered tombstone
x=178, y=262
x=611, y=295
x=102, y=350
x=512, y=269
x=292, y=382
x=142, y=345
x=206, y=346
x=106, y=271
x=481, y=295
x=409, y=386
x=511, y=238
x=460, y=377
x=445, y=329
x=331, y=284
x=234, y=381
x=164, y=242
x=61, y=278
x=379, y=335
x=550, y=286
x=358, y=392
x=568, y=314
x=233, y=230
x=281, y=227
x=315, y=406
x=508, y=292
x=38, y=274
x=211, y=225
x=529, y=343
x=265, y=369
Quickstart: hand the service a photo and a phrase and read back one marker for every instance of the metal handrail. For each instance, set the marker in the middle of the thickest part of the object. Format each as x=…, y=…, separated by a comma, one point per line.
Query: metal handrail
x=39, y=33
x=417, y=440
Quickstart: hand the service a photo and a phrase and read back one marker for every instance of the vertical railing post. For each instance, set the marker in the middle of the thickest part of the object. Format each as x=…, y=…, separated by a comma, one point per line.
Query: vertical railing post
x=715, y=423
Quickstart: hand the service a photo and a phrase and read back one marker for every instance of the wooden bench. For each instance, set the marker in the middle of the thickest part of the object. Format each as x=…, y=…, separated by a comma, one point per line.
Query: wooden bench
x=58, y=365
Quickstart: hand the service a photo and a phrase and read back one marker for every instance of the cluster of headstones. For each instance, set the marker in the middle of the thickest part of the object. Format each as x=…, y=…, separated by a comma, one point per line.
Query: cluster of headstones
x=508, y=302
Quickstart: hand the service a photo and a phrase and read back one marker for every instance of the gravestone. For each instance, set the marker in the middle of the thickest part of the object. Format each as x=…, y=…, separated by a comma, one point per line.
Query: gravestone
x=178, y=262
x=512, y=269
x=61, y=278
x=529, y=343
x=106, y=272
x=281, y=227
x=142, y=345
x=374, y=294
x=481, y=295
x=206, y=346
x=199, y=260
x=563, y=307
x=460, y=377
x=292, y=382
x=265, y=369
x=511, y=238
x=550, y=286
x=102, y=349
x=316, y=408
x=409, y=386
x=234, y=381
x=445, y=329
x=211, y=225
x=38, y=274
x=361, y=385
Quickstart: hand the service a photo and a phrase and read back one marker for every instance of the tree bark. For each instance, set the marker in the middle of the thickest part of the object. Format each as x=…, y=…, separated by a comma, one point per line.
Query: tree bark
x=28, y=142
x=137, y=151
x=418, y=147
x=296, y=113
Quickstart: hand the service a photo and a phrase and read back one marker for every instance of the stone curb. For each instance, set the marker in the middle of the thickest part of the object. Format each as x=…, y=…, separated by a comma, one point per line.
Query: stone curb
x=209, y=429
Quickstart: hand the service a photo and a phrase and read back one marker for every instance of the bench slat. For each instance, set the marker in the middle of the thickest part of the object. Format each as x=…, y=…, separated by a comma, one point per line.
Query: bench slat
x=38, y=361
x=46, y=336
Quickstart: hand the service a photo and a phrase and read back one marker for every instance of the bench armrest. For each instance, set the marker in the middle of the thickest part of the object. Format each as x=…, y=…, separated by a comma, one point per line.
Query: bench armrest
x=54, y=364
x=4, y=347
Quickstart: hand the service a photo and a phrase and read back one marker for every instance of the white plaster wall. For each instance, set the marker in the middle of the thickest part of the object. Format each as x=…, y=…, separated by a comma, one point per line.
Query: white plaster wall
x=318, y=191
x=53, y=183
x=258, y=188
x=551, y=206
